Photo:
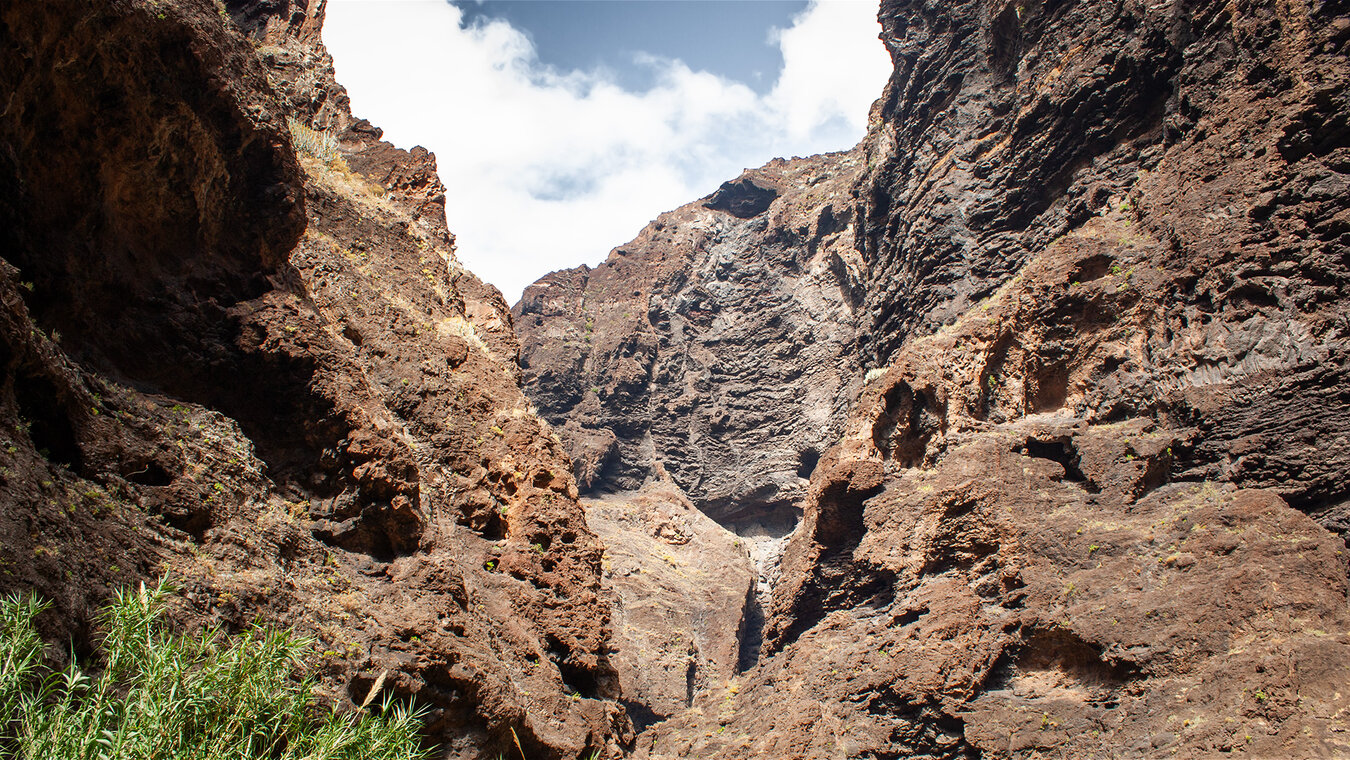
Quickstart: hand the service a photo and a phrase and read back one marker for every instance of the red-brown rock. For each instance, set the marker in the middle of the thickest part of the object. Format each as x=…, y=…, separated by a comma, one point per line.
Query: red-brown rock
x=267, y=375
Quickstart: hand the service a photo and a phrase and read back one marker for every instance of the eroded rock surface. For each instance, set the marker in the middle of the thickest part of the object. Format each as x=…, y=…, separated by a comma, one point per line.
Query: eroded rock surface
x=714, y=348
x=1218, y=133
x=1036, y=584
x=684, y=604
x=1094, y=254
x=266, y=374
x=1069, y=516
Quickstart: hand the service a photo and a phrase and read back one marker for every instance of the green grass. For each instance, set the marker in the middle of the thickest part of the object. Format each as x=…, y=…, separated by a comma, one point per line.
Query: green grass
x=171, y=697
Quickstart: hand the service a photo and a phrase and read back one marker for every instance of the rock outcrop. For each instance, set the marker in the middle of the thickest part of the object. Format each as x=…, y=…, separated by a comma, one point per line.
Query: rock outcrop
x=686, y=616
x=236, y=347
x=1107, y=307
x=1028, y=414
x=715, y=349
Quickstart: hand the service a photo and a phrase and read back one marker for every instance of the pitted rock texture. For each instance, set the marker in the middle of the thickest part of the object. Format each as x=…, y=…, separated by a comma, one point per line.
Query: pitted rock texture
x=715, y=348
x=1221, y=133
x=1107, y=309
x=975, y=577
x=684, y=604
x=268, y=376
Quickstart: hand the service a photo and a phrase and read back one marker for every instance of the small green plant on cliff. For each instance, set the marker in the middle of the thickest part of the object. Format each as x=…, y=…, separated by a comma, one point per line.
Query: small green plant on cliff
x=171, y=697
x=320, y=145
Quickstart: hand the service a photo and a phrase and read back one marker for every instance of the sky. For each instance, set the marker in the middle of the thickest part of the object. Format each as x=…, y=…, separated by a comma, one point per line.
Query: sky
x=562, y=127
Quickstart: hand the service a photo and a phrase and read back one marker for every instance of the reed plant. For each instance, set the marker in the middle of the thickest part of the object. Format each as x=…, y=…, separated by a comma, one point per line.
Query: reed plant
x=155, y=694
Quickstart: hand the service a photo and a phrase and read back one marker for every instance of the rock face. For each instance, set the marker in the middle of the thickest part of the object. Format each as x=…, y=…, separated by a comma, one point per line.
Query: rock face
x=1219, y=136
x=261, y=370
x=707, y=364
x=1042, y=585
x=1106, y=298
x=715, y=348
x=1053, y=367
x=686, y=616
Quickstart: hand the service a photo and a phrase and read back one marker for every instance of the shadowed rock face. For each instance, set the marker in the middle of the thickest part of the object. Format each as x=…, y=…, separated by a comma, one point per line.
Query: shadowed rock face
x=1094, y=254
x=742, y=198
x=1106, y=300
x=714, y=349
x=124, y=164
x=265, y=373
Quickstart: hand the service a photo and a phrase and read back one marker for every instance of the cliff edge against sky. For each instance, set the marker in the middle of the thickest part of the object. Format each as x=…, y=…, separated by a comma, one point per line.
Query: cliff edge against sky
x=1017, y=431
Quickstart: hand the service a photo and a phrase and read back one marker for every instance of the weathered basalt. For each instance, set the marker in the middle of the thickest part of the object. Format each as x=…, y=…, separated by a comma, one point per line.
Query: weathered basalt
x=267, y=375
x=684, y=603
x=974, y=577
x=1094, y=255
x=714, y=348
x=1107, y=308
x=1221, y=134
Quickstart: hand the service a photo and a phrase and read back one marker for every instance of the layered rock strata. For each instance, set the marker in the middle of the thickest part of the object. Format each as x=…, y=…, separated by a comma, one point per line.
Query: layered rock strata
x=714, y=349
x=1093, y=255
x=261, y=370
x=710, y=360
x=1107, y=310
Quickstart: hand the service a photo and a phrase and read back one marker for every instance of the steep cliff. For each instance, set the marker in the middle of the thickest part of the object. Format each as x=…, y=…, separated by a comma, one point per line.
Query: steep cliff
x=1044, y=385
x=707, y=362
x=237, y=348
x=1219, y=132
x=1106, y=299
x=714, y=349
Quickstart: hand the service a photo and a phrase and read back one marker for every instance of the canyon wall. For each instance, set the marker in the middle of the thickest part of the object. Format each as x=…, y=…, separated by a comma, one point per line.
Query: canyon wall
x=703, y=367
x=237, y=348
x=1074, y=513
x=1040, y=394
x=1097, y=272
x=1218, y=132
x=715, y=349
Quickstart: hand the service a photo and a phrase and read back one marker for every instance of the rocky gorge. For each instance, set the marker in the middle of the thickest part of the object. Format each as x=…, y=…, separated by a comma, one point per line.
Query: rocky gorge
x=1017, y=431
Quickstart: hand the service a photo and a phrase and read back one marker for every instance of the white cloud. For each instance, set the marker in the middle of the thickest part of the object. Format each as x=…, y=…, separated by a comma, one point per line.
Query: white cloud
x=547, y=169
x=833, y=68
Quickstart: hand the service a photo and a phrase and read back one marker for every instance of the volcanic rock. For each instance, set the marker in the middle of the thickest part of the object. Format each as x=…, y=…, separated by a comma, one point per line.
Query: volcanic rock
x=1029, y=414
x=1106, y=312
x=713, y=349
x=685, y=607
x=254, y=363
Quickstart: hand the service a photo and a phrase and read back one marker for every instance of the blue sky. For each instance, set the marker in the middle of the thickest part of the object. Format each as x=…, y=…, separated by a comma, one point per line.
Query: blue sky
x=725, y=37
x=561, y=127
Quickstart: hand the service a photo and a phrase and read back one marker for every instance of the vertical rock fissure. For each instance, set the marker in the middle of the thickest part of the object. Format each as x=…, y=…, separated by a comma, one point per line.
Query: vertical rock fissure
x=764, y=543
x=750, y=637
